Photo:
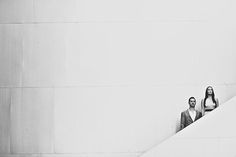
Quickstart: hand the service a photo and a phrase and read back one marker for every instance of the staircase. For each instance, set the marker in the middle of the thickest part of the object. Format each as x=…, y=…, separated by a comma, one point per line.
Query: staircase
x=214, y=135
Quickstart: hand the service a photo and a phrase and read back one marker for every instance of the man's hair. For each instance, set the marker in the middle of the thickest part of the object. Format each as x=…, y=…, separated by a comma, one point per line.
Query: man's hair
x=191, y=98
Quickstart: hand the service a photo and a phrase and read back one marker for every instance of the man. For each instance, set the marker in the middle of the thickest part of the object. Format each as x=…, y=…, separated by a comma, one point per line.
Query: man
x=190, y=115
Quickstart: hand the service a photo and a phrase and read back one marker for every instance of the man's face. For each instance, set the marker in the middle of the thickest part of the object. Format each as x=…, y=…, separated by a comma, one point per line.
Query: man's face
x=192, y=102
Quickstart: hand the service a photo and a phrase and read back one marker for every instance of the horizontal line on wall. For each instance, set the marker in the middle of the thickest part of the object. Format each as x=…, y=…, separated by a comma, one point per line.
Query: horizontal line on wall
x=122, y=85
x=109, y=21
x=82, y=153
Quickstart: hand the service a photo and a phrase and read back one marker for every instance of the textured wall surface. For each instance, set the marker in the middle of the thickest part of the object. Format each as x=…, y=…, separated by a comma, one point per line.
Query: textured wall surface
x=108, y=78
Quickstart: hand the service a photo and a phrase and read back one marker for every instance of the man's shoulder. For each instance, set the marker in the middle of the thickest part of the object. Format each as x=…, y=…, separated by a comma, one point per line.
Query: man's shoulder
x=184, y=112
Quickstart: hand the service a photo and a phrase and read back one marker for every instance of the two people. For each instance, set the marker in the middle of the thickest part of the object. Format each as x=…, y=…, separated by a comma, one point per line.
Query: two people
x=209, y=103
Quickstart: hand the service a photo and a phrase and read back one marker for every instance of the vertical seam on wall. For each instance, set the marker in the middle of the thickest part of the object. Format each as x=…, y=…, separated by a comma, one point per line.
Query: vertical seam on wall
x=53, y=121
x=10, y=122
x=23, y=62
x=33, y=20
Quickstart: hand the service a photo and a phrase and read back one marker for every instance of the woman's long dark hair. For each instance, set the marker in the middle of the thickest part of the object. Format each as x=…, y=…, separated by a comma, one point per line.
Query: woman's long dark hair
x=206, y=96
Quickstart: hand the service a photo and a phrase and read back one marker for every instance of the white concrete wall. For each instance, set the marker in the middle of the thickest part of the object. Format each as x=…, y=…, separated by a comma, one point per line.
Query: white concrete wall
x=212, y=135
x=97, y=78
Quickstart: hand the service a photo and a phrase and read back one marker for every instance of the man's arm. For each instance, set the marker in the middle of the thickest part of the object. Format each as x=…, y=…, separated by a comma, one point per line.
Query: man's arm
x=217, y=102
x=182, y=121
x=199, y=115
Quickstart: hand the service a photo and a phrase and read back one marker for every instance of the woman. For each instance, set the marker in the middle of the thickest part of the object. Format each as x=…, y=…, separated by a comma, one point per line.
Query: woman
x=209, y=103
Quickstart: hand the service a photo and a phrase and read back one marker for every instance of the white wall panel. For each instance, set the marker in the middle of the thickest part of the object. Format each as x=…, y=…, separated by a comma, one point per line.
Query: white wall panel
x=159, y=53
x=15, y=11
x=110, y=119
x=28, y=11
x=131, y=10
x=11, y=50
x=5, y=101
x=56, y=11
x=101, y=63
x=187, y=10
x=32, y=120
x=44, y=49
x=226, y=146
x=106, y=10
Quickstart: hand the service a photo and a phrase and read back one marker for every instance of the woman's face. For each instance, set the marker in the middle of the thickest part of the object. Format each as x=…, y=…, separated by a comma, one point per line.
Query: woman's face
x=209, y=90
